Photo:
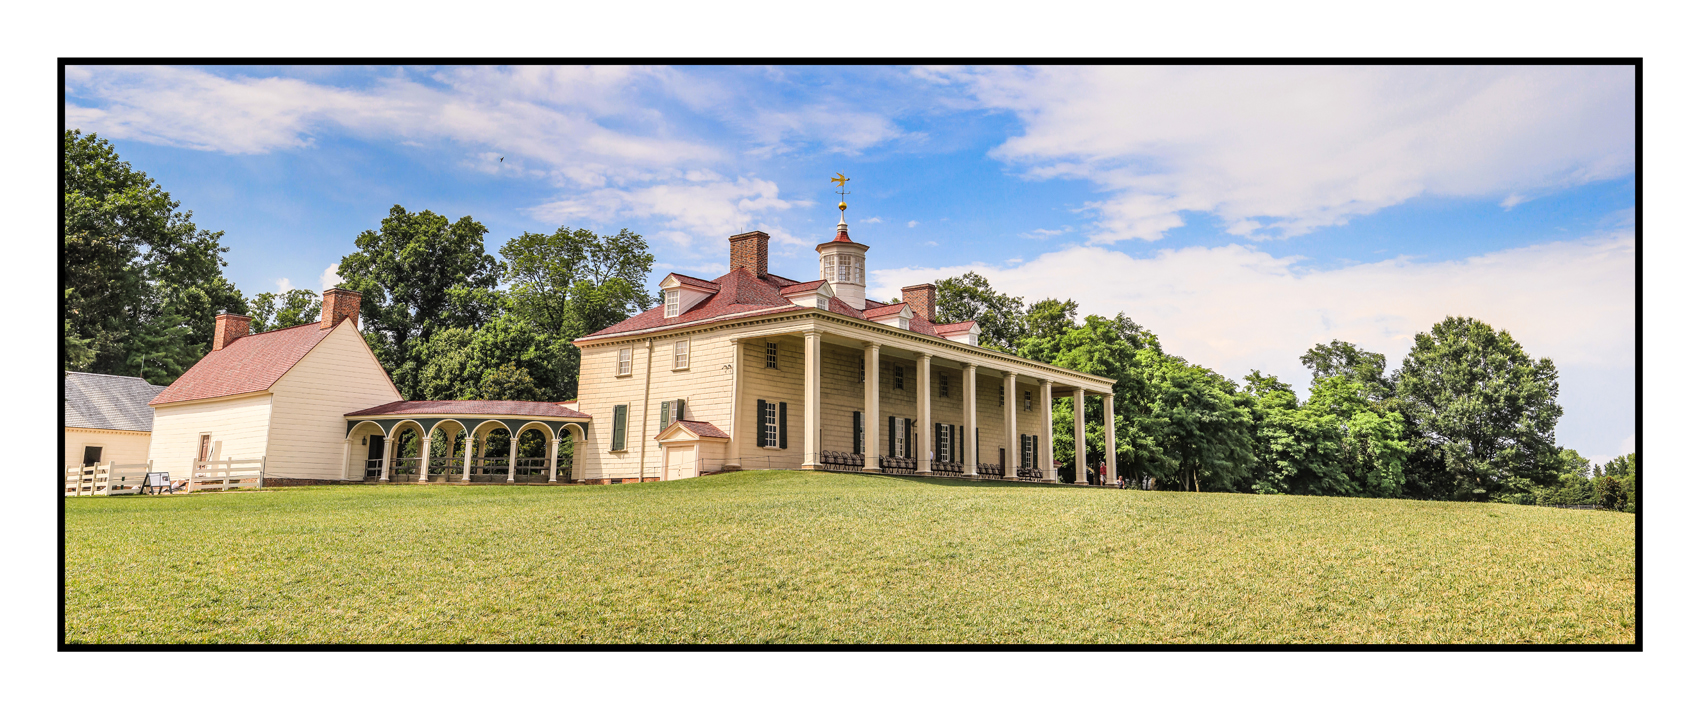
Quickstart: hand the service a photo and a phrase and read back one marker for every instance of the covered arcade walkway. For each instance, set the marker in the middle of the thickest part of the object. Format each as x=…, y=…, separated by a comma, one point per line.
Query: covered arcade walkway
x=373, y=445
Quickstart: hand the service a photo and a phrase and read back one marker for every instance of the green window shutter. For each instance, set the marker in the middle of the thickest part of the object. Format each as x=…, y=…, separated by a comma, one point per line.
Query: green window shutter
x=761, y=423
x=908, y=438
x=678, y=409
x=619, y=442
x=782, y=431
x=666, y=408
x=856, y=433
x=891, y=436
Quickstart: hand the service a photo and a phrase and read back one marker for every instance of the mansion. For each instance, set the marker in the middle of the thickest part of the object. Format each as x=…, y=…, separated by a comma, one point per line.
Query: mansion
x=750, y=370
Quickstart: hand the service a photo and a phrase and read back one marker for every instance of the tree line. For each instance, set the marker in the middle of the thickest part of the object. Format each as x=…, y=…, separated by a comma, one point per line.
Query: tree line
x=1468, y=415
x=446, y=319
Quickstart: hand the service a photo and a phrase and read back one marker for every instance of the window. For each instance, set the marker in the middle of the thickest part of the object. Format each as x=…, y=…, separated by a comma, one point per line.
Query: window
x=772, y=355
x=944, y=386
x=826, y=267
x=1027, y=400
x=1029, y=452
x=820, y=302
x=897, y=377
x=91, y=455
x=862, y=370
x=1000, y=396
x=770, y=424
x=625, y=366
x=843, y=270
x=682, y=354
x=206, y=446
x=619, y=439
x=672, y=299
x=671, y=410
x=899, y=433
x=857, y=272
x=941, y=441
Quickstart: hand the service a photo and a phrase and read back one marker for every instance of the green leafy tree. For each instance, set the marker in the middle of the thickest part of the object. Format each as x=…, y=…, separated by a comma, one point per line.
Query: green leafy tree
x=275, y=311
x=1612, y=496
x=971, y=297
x=1297, y=449
x=1200, y=424
x=143, y=282
x=570, y=284
x=509, y=382
x=418, y=274
x=1622, y=468
x=1107, y=347
x=1338, y=358
x=1482, y=413
x=455, y=361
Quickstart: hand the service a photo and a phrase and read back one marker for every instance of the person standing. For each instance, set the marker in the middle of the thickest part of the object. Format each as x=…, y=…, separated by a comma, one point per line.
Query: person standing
x=1102, y=471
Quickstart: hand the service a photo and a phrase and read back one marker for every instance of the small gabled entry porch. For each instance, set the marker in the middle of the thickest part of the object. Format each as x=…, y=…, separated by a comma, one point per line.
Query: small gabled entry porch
x=512, y=442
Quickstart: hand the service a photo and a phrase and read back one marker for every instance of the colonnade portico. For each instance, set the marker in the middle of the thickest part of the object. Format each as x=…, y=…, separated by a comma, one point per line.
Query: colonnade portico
x=1018, y=381
x=473, y=422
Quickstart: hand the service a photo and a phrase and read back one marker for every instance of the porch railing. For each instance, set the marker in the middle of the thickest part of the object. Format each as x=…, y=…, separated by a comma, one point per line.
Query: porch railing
x=108, y=479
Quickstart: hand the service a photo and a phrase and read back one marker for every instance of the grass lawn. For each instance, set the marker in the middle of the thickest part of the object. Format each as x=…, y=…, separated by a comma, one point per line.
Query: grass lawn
x=787, y=557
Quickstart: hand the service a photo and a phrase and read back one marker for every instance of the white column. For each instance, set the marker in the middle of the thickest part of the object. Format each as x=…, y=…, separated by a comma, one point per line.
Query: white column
x=1109, y=439
x=466, y=467
x=384, y=469
x=513, y=455
x=347, y=447
x=554, y=455
x=1047, y=451
x=924, y=411
x=1079, y=436
x=871, y=423
x=970, y=419
x=1012, y=438
x=733, y=444
x=425, y=458
x=811, y=401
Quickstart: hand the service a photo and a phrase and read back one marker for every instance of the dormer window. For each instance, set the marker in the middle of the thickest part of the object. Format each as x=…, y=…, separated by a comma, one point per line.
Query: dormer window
x=672, y=303
x=681, y=293
x=820, y=302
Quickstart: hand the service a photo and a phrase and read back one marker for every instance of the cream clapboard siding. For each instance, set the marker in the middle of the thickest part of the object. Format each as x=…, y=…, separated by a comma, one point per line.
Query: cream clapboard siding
x=705, y=385
x=238, y=428
x=784, y=383
x=123, y=447
x=338, y=376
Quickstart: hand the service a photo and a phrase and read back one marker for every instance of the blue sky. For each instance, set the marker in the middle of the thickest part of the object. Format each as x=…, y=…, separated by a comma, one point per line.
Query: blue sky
x=1243, y=214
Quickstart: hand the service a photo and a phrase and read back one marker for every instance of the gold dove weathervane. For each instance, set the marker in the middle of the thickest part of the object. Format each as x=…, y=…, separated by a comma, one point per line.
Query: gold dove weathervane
x=842, y=182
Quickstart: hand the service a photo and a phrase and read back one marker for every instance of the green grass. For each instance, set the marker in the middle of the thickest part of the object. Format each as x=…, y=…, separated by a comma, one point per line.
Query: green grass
x=786, y=557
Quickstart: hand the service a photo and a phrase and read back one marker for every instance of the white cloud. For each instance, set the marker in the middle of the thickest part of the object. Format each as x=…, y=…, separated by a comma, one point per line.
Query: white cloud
x=691, y=211
x=871, y=220
x=328, y=278
x=282, y=285
x=913, y=224
x=1279, y=151
x=1234, y=308
x=547, y=115
x=1046, y=233
x=838, y=129
x=1512, y=201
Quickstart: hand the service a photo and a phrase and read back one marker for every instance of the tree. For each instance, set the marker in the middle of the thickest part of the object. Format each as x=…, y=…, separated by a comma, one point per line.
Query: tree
x=1047, y=321
x=572, y=283
x=1107, y=347
x=1611, y=494
x=971, y=297
x=455, y=362
x=1297, y=449
x=1200, y=426
x=275, y=311
x=418, y=274
x=1338, y=358
x=144, y=283
x=1481, y=410
x=509, y=383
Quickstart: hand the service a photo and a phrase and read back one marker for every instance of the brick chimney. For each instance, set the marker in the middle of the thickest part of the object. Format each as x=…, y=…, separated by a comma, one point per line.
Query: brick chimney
x=227, y=327
x=921, y=299
x=749, y=251
x=340, y=304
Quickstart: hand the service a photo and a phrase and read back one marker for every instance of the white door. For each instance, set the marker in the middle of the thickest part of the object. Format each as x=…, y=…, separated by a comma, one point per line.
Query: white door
x=681, y=462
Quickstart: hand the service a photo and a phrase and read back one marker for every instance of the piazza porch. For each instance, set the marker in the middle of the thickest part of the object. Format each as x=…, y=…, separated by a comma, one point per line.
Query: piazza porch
x=464, y=442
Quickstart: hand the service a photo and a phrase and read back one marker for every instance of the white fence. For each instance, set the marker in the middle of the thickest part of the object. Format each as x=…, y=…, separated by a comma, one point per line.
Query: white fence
x=227, y=474
x=109, y=479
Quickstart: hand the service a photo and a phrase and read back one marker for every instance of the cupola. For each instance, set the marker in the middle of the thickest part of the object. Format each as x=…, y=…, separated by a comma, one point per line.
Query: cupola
x=844, y=265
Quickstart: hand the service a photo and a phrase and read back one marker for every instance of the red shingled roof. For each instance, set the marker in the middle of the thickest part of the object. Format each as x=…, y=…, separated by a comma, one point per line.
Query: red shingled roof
x=801, y=288
x=470, y=408
x=253, y=363
x=741, y=292
x=703, y=429
x=953, y=327
x=693, y=281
